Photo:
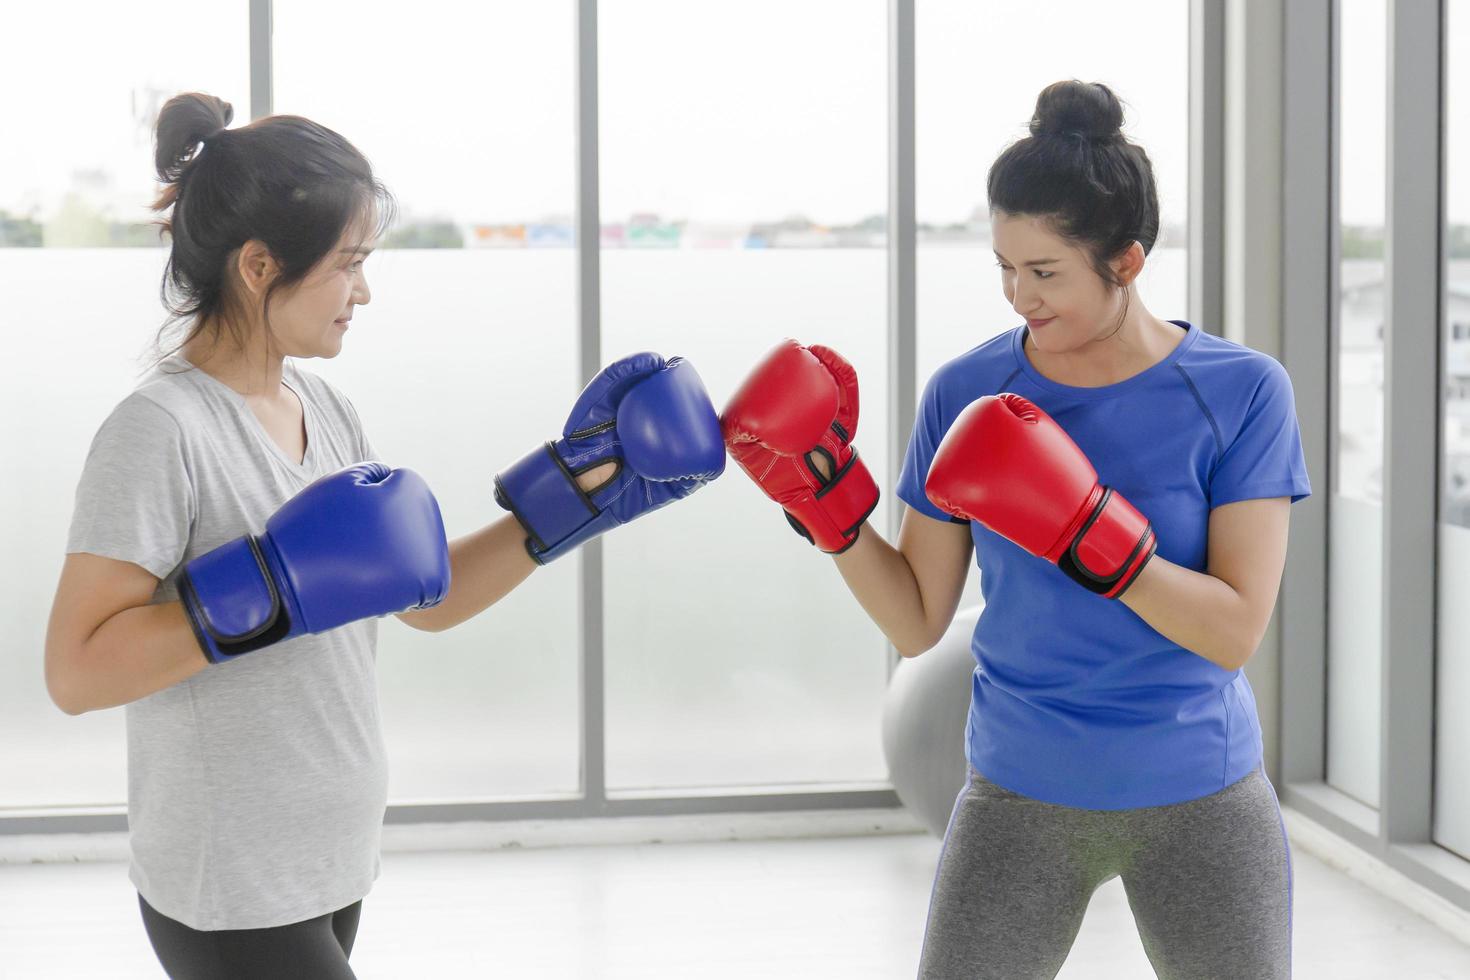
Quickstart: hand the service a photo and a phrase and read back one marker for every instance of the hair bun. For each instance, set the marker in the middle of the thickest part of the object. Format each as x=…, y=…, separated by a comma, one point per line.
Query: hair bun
x=184, y=122
x=1073, y=109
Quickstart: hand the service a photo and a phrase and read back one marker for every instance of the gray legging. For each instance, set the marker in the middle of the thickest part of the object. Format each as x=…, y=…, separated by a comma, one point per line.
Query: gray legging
x=1209, y=882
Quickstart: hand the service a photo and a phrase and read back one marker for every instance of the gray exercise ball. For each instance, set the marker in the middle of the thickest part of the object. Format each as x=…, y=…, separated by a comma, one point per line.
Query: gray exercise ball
x=924, y=712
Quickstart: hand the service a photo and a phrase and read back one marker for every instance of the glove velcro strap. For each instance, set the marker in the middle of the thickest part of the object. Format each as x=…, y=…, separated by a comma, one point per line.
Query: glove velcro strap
x=232, y=602
x=832, y=517
x=543, y=495
x=1112, y=547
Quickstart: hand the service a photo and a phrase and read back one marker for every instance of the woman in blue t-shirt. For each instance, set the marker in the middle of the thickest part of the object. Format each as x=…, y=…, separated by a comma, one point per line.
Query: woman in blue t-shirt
x=1125, y=482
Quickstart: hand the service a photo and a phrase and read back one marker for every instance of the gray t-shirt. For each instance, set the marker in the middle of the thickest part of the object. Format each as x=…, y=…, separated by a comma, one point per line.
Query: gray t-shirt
x=256, y=788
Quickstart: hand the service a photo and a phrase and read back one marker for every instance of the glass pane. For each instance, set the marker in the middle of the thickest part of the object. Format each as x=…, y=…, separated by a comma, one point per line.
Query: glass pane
x=1452, y=735
x=743, y=184
x=465, y=358
x=76, y=178
x=970, y=108
x=1355, y=534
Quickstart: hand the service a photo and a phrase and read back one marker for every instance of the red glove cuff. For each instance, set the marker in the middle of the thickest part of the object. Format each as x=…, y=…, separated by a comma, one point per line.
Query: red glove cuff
x=832, y=517
x=1112, y=547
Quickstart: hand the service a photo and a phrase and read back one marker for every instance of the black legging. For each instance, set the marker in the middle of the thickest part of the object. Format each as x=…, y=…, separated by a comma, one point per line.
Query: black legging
x=315, y=948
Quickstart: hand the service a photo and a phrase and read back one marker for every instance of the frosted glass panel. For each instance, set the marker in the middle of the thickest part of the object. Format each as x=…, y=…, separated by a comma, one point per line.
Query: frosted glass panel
x=465, y=359
x=47, y=419
x=455, y=386
x=739, y=167
x=79, y=274
x=736, y=655
x=1452, y=683
x=1354, y=637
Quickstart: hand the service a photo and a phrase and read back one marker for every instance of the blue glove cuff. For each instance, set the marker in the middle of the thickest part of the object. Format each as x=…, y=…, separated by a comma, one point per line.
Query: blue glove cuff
x=543, y=495
x=232, y=602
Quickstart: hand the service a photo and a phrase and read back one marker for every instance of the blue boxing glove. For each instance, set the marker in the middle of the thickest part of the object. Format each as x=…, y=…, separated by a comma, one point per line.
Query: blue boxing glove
x=365, y=541
x=652, y=418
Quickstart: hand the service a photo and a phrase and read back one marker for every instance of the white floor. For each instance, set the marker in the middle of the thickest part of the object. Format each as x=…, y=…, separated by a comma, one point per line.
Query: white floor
x=848, y=908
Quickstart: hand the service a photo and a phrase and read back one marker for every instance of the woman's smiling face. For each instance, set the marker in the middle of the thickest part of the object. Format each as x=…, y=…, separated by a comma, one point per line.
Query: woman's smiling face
x=1052, y=284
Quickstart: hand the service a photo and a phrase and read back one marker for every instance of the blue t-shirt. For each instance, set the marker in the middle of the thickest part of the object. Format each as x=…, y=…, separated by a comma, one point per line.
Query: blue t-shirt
x=1075, y=699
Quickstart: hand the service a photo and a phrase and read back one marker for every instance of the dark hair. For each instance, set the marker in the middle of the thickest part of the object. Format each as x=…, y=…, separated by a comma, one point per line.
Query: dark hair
x=285, y=181
x=1077, y=172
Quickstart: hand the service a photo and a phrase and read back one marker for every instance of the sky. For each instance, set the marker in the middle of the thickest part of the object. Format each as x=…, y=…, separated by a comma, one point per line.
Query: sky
x=733, y=112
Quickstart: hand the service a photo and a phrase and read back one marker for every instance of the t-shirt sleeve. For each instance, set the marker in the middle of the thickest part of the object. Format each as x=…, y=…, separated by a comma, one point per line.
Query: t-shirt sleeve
x=1265, y=458
x=135, y=501
x=929, y=429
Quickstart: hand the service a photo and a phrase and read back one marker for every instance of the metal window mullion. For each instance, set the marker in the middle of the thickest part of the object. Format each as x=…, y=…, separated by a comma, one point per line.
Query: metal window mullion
x=1411, y=416
x=1306, y=345
x=262, y=81
x=902, y=320
x=902, y=245
x=591, y=631
x=1206, y=217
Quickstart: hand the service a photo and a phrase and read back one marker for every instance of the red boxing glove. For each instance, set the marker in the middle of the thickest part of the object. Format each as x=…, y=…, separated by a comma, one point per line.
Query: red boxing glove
x=1008, y=465
x=798, y=401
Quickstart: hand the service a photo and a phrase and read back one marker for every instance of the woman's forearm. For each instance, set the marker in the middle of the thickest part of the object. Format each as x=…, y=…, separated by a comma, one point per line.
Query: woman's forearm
x=885, y=585
x=483, y=569
x=1200, y=612
x=133, y=654
x=485, y=566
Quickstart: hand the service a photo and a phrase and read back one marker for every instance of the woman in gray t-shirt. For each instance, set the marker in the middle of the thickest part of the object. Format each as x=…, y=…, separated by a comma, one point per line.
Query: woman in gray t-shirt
x=256, y=771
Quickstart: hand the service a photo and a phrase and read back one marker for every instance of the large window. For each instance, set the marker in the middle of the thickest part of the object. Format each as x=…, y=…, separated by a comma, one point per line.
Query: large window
x=79, y=311
x=465, y=358
x=1355, y=573
x=743, y=164
x=1452, y=746
x=743, y=156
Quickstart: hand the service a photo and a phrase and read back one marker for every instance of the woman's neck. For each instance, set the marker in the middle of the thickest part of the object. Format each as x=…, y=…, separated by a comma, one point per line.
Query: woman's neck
x=1141, y=342
x=253, y=370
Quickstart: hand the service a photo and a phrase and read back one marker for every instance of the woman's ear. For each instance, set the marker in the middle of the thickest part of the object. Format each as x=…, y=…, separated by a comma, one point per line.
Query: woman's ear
x=1128, y=265
x=257, y=267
